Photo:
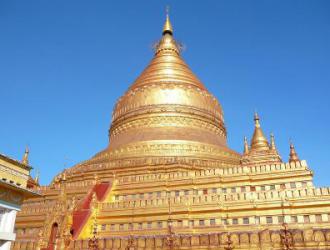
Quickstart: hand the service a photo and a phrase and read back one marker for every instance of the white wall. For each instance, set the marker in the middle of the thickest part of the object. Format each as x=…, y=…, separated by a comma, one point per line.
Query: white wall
x=7, y=224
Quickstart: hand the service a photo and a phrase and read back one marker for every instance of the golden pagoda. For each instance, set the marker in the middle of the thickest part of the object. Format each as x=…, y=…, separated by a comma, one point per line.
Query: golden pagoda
x=168, y=180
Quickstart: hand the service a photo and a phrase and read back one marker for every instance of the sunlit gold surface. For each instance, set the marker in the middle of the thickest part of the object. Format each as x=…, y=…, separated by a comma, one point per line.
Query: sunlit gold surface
x=293, y=154
x=259, y=141
x=167, y=102
x=170, y=168
x=25, y=159
x=168, y=105
x=167, y=26
x=260, y=151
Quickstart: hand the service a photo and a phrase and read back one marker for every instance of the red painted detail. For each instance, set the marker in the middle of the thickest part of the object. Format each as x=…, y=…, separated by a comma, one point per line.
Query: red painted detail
x=102, y=190
x=81, y=215
x=52, y=238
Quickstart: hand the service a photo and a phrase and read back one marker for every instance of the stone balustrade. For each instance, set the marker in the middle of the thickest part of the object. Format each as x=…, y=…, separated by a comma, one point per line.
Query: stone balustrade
x=191, y=200
x=266, y=239
x=220, y=172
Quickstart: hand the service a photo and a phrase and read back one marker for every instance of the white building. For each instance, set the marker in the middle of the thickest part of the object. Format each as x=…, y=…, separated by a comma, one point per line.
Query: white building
x=15, y=183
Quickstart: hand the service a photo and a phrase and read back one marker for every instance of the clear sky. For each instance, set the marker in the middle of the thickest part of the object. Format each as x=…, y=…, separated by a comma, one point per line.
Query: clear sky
x=63, y=64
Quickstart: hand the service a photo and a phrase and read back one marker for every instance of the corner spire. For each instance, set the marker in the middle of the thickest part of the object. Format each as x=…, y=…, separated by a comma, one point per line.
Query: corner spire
x=272, y=142
x=259, y=141
x=293, y=154
x=36, y=179
x=167, y=29
x=256, y=120
x=25, y=159
x=246, y=146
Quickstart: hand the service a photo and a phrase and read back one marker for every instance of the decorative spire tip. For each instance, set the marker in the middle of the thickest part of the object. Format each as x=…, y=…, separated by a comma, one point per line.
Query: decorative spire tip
x=246, y=145
x=291, y=143
x=167, y=29
x=256, y=116
x=272, y=141
x=36, y=179
x=256, y=119
x=25, y=159
x=293, y=154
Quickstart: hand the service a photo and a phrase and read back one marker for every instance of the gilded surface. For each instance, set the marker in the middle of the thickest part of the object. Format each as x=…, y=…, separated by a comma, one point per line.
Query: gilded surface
x=10, y=196
x=173, y=183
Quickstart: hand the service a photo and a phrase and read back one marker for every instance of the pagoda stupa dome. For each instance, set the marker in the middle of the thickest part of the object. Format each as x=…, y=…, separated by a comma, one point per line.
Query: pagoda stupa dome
x=167, y=114
x=167, y=102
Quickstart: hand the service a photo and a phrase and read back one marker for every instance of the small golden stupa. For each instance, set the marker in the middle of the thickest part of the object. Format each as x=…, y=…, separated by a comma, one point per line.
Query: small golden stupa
x=168, y=180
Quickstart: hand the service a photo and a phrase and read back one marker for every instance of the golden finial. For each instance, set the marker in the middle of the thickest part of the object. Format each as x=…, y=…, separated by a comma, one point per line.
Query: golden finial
x=167, y=26
x=293, y=154
x=36, y=179
x=256, y=120
x=259, y=141
x=25, y=159
x=272, y=142
x=246, y=146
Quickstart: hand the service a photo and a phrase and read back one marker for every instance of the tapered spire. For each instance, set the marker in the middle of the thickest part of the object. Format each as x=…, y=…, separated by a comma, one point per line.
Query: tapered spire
x=167, y=43
x=36, y=179
x=259, y=141
x=246, y=146
x=25, y=159
x=272, y=142
x=256, y=120
x=260, y=150
x=293, y=154
x=167, y=26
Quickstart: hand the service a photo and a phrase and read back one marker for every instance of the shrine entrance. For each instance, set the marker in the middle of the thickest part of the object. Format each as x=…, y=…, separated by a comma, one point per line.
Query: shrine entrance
x=52, y=237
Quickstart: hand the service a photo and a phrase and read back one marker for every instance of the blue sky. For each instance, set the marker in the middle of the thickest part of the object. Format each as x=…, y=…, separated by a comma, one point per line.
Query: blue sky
x=63, y=64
